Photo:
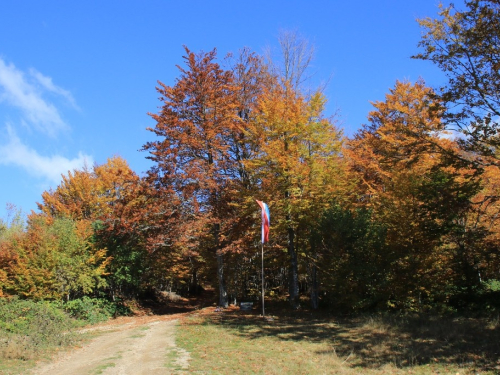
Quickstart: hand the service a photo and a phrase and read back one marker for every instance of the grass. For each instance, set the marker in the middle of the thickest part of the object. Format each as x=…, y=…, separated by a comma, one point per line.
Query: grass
x=232, y=342
x=101, y=368
x=139, y=332
x=301, y=342
x=172, y=362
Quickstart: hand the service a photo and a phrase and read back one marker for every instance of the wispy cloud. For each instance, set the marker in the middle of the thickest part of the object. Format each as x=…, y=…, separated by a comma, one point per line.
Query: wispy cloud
x=50, y=168
x=29, y=91
x=26, y=93
x=47, y=84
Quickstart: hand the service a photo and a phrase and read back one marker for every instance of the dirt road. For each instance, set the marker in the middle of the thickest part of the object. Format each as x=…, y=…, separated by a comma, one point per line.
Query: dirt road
x=139, y=345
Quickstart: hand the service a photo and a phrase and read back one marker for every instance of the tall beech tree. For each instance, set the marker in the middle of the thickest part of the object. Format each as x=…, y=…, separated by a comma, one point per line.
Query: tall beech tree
x=465, y=45
x=401, y=160
x=250, y=77
x=296, y=165
x=195, y=125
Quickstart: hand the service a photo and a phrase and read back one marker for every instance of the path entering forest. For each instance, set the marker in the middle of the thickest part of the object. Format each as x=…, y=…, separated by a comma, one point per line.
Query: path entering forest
x=127, y=345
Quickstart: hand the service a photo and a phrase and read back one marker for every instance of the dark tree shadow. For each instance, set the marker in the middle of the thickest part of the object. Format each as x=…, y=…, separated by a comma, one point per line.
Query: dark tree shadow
x=168, y=305
x=378, y=341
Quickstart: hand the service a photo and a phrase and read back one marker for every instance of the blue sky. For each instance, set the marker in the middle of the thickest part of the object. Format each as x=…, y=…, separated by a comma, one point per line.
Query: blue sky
x=77, y=79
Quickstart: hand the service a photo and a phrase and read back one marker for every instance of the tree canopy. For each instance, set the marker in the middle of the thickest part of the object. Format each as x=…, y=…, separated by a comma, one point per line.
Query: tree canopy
x=403, y=215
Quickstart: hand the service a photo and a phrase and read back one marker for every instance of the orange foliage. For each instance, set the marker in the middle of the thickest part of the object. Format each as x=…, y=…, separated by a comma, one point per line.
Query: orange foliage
x=89, y=193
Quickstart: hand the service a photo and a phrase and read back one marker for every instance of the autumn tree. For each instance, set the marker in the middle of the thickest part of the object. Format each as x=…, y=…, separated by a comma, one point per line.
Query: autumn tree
x=293, y=60
x=465, y=45
x=142, y=233
x=93, y=195
x=299, y=149
x=195, y=125
x=11, y=229
x=55, y=259
x=295, y=167
x=484, y=262
x=89, y=193
x=402, y=162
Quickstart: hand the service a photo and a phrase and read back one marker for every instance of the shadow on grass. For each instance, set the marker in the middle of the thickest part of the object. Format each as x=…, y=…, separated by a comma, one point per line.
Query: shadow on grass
x=372, y=342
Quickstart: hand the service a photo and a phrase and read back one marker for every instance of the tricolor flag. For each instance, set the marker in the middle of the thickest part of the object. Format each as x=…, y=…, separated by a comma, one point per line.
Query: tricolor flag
x=265, y=221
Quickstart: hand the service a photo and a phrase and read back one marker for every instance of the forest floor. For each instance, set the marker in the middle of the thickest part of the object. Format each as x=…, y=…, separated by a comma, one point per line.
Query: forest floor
x=193, y=336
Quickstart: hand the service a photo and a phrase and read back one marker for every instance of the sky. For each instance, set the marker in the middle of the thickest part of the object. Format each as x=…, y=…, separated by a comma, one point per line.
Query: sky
x=78, y=78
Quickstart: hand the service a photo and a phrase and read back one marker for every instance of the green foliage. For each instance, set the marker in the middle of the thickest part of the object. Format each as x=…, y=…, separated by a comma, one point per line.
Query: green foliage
x=352, y=264
x=29, y=328
x=75, y=271
x=492, y=285
x=54, y=260
x=130, y=262
x=483, y=298
x=94, y=310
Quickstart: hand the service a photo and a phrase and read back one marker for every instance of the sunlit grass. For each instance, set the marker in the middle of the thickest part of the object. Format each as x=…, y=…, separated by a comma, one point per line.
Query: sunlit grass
x=230, y=343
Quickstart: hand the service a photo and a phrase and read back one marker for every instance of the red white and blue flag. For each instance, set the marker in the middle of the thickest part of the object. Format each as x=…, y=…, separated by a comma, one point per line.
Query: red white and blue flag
x=266, y=217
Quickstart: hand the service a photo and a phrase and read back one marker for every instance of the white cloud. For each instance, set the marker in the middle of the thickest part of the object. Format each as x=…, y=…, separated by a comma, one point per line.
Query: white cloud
x=19, y=91
x=46, y=83
x=50, y=168
x=28, y=92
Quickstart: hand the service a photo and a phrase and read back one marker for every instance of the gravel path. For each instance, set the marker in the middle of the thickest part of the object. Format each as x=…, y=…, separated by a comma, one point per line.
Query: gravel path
x=136, y=346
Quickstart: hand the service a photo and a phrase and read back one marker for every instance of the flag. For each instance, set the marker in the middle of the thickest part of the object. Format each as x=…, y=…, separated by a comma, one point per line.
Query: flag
x=265, y=221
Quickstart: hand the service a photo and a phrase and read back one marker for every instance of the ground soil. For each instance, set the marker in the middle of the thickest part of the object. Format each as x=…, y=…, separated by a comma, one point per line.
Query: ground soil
x=139, y=344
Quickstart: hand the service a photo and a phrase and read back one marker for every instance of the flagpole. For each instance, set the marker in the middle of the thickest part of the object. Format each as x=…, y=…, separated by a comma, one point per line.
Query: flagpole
x=265, y=238
x=263, y=310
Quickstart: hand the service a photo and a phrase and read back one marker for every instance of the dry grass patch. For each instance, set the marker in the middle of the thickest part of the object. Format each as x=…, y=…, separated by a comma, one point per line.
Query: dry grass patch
x=232, y=342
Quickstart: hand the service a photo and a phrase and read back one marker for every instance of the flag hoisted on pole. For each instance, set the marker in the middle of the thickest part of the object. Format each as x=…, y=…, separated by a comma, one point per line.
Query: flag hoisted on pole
x=265, y=238
x=265, y=221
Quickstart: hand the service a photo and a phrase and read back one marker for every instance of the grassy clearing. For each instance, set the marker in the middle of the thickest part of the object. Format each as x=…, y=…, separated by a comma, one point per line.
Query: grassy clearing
x=231, y=342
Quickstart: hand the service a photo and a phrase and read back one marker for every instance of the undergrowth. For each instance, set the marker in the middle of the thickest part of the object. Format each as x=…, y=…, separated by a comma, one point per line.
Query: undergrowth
x=30, y=330
x=94, y=310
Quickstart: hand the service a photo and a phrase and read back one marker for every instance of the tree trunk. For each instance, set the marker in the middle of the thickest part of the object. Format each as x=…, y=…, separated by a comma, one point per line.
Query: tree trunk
x=293, y=271
x=314, y=284
x=194, y=288
x=223, y=300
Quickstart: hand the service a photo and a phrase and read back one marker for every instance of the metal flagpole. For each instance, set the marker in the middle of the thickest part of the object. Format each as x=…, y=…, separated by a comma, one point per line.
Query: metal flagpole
x=265, y=237
x=263, y=310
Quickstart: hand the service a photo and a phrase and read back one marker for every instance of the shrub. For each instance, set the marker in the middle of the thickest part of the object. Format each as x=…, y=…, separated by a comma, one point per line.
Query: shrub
x=94, y=310
x=28, y=328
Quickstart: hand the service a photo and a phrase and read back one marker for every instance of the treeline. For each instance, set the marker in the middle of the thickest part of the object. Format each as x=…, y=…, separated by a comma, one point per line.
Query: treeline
x=403, y=215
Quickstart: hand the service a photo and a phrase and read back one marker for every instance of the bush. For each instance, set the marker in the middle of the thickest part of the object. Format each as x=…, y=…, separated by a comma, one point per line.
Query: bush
x=94, y=310
x=28, y=328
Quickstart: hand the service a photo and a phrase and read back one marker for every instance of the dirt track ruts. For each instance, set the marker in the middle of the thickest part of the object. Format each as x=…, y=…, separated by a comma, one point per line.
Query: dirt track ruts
x=131, y=346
